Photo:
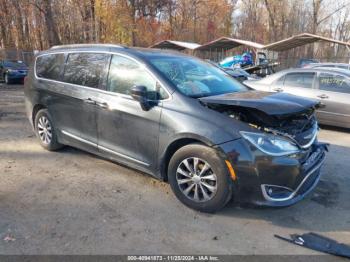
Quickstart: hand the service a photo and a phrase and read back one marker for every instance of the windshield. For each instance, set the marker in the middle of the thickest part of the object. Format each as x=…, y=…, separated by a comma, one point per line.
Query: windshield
x=196, y=78
x=14, y=64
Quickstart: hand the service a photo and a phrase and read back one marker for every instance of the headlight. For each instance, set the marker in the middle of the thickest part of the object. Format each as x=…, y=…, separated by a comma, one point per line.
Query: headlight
x=11, y=71
x=271, y=144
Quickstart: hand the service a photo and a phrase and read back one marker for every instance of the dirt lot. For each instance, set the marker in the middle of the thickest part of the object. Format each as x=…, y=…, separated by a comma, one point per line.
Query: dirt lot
x=71, y=202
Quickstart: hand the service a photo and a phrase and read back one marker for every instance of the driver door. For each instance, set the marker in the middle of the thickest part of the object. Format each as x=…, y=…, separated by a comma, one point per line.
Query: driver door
x=126, y=132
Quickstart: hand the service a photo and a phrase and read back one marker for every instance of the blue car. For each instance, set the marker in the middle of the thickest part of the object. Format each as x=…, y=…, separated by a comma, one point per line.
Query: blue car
x=243, y=60
x=13, y=71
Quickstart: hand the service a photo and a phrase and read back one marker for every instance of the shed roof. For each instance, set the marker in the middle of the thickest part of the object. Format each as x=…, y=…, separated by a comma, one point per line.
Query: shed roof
x=227, y=43
x=176, y=45
x=299, y=40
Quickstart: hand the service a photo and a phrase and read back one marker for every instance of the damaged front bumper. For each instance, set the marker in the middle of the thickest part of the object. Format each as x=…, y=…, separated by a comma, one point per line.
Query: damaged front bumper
x=275, y=195
x=274, y=180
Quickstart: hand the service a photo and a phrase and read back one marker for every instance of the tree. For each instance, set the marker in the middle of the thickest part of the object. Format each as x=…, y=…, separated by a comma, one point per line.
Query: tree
x=45, y=7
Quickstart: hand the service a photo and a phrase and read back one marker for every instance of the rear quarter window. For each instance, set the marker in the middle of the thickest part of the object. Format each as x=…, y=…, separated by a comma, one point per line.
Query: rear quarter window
x=50, y=66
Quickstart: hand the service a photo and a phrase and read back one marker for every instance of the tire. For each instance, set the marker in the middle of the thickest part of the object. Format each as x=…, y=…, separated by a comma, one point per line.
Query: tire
x=7, y=80
x=206, y=200
x=45, y=131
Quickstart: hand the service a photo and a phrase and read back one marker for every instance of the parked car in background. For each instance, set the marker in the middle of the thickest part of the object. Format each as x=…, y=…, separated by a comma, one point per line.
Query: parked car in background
x=329, y=65
x=236, y=72
x=246, y=59
x=179, y=119
x=303, y=62
x=330, y=86
x=13, y=71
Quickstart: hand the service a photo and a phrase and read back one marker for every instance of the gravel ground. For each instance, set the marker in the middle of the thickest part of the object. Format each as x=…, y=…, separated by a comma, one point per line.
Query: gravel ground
x=71, y=202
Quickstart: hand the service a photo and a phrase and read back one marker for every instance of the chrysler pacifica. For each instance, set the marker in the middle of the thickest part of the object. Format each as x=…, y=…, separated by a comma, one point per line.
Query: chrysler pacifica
x=179, y=119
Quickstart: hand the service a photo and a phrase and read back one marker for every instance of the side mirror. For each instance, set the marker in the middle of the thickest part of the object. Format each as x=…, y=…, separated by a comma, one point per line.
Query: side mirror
x=139, y=93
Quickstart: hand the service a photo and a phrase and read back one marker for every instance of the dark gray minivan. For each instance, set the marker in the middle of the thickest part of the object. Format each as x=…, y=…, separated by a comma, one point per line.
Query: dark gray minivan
x=179, y=119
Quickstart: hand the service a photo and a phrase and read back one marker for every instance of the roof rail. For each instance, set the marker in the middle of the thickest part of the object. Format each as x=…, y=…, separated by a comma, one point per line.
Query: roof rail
x=86, y=45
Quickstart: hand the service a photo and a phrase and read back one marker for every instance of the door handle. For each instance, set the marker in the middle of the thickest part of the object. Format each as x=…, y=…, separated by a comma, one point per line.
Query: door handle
x=278, y=89
x=90, y=101
x=323, y=96
x=103, y=105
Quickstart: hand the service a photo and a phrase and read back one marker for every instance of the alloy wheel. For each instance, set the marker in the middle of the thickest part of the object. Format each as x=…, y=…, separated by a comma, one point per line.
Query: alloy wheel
x=45, y=130
x=196, y=179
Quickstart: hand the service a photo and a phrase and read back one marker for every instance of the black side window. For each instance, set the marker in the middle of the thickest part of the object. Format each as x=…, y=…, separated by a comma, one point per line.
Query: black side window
x=335, y=83
x=299, y=79
x=50, y=66
x=125, y=73
x=85, y=69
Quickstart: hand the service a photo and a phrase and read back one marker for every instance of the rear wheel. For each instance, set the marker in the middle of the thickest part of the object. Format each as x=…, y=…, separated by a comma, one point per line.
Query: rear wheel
x=45, y=130
x=199, y=178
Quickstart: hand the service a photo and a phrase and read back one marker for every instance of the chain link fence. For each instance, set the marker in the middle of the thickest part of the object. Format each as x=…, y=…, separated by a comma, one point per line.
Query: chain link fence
x=14, y=54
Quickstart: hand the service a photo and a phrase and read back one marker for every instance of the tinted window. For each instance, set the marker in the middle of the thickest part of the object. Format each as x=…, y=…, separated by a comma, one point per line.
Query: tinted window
x=85, y=69
x=333, y=82
x=299, y=79
x=125, y=73
x=50, y=66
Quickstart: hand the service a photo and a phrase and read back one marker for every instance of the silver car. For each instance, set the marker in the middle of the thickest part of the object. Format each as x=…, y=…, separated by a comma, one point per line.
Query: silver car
x=333, y=65
x=329, y=85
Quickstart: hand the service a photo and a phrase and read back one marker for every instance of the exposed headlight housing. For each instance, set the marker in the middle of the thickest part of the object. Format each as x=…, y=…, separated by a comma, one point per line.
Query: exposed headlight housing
x=271, y=144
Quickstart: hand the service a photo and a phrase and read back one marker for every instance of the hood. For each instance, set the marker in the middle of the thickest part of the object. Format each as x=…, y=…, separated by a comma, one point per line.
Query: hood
x=267, y=102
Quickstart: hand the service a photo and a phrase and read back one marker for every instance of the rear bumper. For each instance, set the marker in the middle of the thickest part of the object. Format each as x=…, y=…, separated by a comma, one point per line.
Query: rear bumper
x=274, y=181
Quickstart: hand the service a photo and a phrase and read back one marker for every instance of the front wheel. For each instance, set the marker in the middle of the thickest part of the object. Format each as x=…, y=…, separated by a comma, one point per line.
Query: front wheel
x=199, y=178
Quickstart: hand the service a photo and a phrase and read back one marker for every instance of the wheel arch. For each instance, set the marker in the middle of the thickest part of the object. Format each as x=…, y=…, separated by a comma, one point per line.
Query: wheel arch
x=176, y=145
x=36, y=109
